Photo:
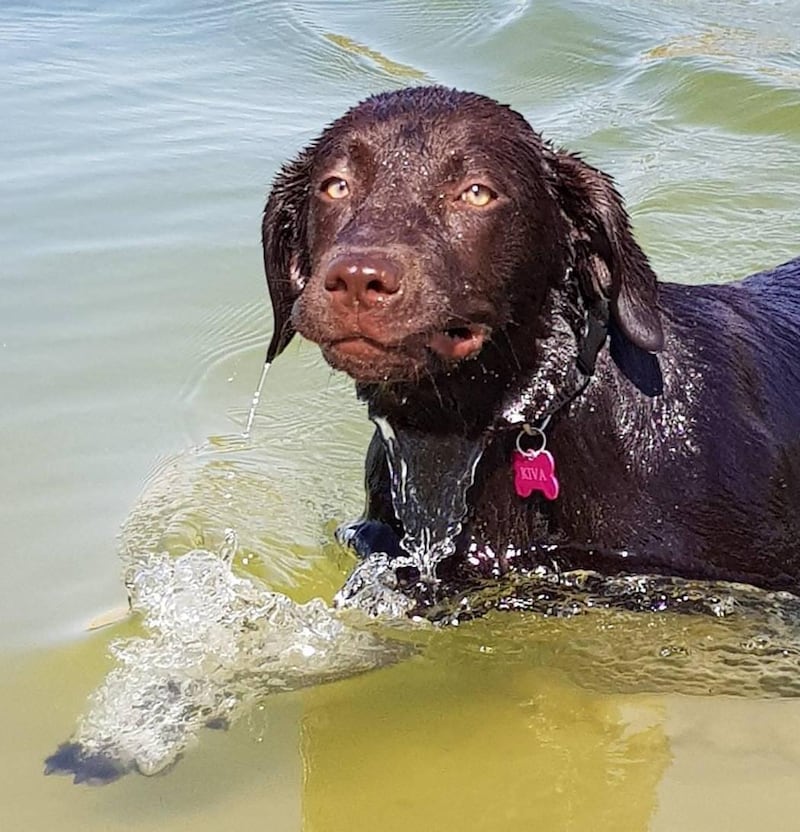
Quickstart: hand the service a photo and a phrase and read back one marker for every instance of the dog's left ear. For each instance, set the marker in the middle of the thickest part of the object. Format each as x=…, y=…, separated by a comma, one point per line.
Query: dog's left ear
x=609, y=261
x=284, y=238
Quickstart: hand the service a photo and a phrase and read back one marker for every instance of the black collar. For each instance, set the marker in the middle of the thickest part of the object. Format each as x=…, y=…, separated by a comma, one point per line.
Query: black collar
x=535, y=408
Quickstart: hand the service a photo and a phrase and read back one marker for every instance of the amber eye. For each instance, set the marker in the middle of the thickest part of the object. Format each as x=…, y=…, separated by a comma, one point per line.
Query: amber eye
x=335, y=188
x=478, y=195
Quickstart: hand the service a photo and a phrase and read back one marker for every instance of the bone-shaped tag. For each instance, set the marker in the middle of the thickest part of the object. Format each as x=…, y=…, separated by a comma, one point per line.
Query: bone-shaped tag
x=535, y=471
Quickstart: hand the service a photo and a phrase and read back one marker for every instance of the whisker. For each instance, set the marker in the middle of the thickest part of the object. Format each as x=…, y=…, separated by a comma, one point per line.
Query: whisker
x=435, y=386
x=511, y=349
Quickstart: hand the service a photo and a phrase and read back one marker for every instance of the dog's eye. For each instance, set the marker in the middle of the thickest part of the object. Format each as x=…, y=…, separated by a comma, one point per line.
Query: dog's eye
x=335, y=188
x=478, y=195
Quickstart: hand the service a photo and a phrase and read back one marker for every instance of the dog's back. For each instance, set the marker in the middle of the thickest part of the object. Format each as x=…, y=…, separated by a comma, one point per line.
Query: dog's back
x=745, y=336
x=709, y=479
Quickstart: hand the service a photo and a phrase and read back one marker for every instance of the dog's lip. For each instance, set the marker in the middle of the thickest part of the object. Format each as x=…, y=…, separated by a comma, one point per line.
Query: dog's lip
x=459, y=341
x=361, y=346
x=453, y=343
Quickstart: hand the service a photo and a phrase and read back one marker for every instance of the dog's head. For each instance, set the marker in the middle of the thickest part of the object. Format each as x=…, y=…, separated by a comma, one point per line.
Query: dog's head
x=424, y=230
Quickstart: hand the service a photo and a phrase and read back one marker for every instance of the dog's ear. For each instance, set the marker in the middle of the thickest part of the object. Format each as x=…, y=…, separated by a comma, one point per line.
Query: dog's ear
x=284, y=238
x=608, y=260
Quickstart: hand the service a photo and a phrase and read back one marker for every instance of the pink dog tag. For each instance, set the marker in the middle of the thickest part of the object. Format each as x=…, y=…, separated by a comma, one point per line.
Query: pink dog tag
x=535, y=471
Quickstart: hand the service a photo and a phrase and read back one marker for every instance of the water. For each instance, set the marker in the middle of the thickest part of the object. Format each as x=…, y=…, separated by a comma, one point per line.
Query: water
x=430, y=477
x=139, y=139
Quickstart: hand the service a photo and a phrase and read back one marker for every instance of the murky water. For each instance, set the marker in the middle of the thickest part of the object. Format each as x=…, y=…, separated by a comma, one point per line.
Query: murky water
x=139, y=139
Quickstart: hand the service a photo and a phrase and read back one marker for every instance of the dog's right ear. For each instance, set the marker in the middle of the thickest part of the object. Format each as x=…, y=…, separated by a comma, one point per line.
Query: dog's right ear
x=284, y=238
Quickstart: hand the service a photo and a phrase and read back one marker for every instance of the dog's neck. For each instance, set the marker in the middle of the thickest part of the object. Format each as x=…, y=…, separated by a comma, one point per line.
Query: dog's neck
x=434, y=438
x=564, y=371
x=523, y=380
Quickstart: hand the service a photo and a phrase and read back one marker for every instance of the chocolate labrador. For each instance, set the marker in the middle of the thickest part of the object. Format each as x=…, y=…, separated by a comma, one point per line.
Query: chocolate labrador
x=527, y=373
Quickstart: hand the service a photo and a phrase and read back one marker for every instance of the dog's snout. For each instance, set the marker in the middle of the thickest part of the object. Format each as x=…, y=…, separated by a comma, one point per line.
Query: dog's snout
x=362, y=280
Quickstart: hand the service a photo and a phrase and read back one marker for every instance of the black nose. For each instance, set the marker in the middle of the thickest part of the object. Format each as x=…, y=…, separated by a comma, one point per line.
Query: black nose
x=362, y=279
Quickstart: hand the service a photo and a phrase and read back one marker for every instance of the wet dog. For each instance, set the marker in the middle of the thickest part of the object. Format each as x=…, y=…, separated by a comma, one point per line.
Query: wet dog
x=485, y=292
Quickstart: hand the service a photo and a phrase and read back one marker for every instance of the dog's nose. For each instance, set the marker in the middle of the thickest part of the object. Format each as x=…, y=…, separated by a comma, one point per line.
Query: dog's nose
x=362, y=279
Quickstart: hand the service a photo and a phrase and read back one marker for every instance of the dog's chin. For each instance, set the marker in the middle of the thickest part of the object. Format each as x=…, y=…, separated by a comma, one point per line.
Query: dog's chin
x=368, y=361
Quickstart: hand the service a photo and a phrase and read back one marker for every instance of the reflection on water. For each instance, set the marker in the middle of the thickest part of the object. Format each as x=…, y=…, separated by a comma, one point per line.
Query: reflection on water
x=467, y=743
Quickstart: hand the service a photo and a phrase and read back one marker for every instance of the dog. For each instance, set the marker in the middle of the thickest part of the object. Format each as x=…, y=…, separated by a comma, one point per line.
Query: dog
x=485, y=292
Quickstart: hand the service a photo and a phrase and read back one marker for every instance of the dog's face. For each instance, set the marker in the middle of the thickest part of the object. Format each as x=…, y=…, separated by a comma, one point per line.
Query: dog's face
x=424, y=229
x=418, y=235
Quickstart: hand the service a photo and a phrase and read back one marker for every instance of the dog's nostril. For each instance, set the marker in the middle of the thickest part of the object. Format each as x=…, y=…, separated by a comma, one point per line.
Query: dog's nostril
x=459, y=333
x=382, y=287
x=335, y=284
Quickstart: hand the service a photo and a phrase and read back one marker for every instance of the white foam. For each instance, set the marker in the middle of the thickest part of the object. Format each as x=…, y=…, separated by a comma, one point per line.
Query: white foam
x=216, y=643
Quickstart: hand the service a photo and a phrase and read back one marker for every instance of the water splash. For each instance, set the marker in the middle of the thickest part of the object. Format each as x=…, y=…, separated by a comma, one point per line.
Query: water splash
x=374, y=588
x=430, y=476
x=216, y=643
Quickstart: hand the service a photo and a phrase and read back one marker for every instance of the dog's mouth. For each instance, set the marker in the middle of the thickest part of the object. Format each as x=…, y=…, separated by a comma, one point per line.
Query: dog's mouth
x=459, y=342
x=367, y=358
x=363, y=348
x=453, y=343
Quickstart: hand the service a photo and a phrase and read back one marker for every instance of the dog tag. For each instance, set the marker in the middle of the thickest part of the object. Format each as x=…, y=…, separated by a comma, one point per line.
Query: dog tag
x=535, y=471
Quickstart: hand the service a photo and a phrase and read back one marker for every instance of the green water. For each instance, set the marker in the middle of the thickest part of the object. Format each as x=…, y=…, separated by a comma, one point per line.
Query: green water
x=137, y=145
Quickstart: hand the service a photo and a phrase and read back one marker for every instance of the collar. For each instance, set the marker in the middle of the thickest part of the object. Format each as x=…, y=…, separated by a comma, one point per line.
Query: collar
x=545, y=396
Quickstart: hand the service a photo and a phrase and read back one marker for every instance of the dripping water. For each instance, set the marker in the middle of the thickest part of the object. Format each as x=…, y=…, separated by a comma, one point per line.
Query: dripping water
x=430, y=477
x=255, y=400
x=429, y=491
